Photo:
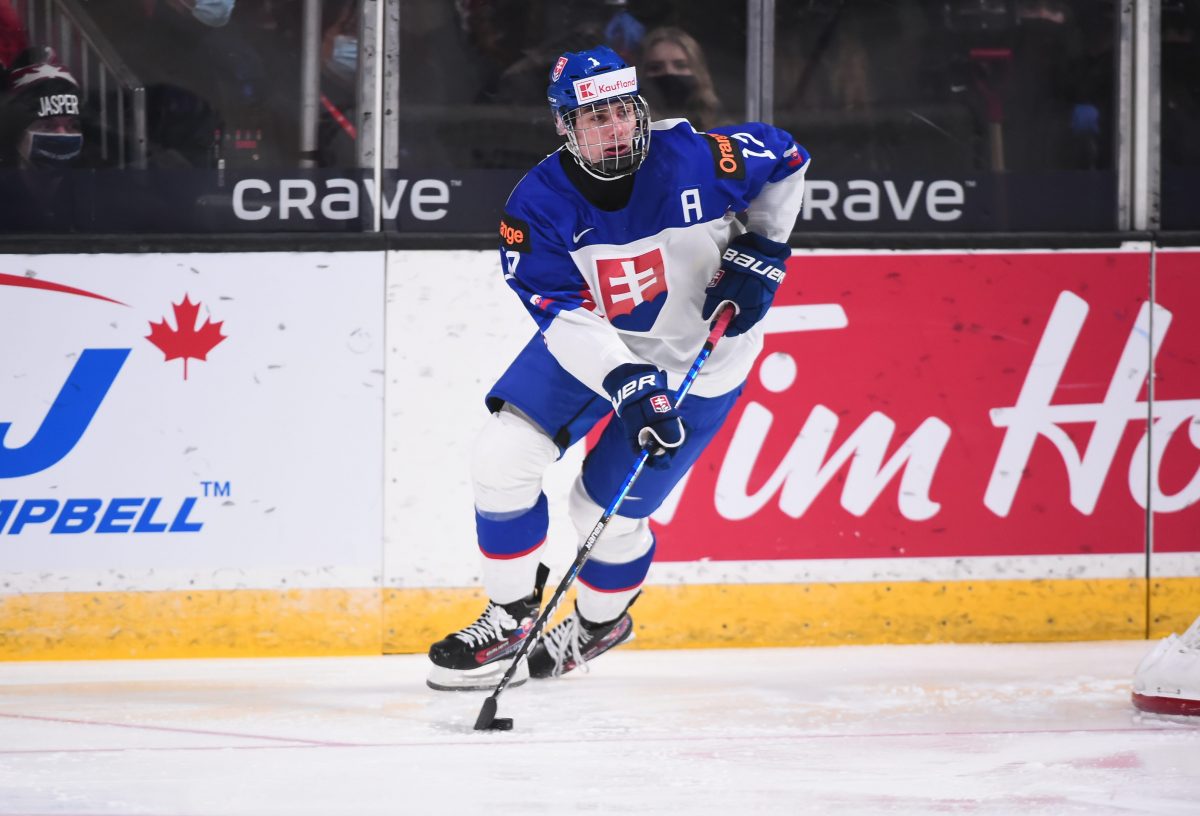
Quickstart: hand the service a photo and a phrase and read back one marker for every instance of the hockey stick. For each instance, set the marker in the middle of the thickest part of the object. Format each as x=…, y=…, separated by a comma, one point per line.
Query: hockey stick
x=487, y=720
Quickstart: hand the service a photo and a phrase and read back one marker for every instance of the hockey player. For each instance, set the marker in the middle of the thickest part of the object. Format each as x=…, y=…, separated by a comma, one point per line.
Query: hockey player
x=622, y=245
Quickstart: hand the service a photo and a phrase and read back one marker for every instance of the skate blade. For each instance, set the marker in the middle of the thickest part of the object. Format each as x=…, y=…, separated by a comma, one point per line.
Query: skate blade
x=484, y=678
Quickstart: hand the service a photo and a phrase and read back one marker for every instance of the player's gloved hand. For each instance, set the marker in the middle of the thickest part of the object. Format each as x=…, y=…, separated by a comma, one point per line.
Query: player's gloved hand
x=646, y=411
x=751, y=270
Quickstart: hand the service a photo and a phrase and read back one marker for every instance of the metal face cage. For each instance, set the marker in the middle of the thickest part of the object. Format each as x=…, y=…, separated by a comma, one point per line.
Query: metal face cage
x=609, y=138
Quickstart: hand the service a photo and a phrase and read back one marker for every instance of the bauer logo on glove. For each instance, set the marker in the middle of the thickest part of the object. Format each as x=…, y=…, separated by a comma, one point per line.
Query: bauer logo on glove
x=646, y=411
x=631, y=387
x=753, y=264
x=752, y=267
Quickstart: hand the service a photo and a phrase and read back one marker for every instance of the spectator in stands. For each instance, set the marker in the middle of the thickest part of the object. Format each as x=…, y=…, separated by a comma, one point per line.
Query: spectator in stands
x=517, y=135
x=337, y=130
x=676, y=81
x=569, y=25
x=41, y=135
x=40, y=125
x=339, y=39
x=213, y=13
x=232, y=72
x=623, y=32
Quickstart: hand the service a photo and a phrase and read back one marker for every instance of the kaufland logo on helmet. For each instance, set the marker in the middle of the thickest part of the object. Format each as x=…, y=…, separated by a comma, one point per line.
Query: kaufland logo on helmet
x=613, y=83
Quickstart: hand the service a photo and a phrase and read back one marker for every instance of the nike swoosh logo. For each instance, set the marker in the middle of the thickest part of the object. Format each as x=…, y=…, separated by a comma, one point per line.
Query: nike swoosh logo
x=576, y=238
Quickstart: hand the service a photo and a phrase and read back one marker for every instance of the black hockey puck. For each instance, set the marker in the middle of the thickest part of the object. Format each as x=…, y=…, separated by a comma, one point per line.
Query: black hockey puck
x=488, y=721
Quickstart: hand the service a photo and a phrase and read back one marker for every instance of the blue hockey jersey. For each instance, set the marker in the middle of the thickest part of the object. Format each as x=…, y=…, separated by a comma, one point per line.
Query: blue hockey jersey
x=627, y=286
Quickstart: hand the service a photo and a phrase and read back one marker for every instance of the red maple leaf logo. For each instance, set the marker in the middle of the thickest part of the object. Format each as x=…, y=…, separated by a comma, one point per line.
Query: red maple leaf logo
x=187, y=341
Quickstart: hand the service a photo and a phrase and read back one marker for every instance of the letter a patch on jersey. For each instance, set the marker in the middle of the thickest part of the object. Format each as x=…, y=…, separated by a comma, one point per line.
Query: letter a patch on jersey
x=633, y=289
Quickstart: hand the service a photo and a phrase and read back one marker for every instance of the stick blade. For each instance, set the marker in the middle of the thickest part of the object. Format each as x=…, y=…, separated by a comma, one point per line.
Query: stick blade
x=487, y=715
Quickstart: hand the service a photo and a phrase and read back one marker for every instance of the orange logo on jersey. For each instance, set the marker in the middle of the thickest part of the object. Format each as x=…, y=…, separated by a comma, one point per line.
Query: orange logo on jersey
x=511, y=235
x=726, y=156
x=514, y=233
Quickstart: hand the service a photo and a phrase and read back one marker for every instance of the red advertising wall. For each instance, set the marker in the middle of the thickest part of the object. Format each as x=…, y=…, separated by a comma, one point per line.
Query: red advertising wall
x=1176, y=501
x=957, y=404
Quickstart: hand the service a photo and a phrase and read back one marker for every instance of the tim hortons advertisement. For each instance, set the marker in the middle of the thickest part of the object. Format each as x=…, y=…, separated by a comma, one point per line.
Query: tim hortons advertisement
x=1176, y=439
x=171, y=422
x=926, y=405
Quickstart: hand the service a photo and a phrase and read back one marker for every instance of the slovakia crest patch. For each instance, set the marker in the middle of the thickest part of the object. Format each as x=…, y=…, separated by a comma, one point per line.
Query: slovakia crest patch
x=633, y=289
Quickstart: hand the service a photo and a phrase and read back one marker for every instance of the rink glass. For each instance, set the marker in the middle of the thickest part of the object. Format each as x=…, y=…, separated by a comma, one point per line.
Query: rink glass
x=963, y=116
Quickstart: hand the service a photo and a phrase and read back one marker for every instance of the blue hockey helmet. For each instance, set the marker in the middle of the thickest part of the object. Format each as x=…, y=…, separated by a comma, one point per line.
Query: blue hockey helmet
x=594, y=97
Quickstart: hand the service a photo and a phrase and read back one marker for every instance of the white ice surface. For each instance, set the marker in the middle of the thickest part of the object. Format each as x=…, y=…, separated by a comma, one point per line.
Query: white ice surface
x=852, y=731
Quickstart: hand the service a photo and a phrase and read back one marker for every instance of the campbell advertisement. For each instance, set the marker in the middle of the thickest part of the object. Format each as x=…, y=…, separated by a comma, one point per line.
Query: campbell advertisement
x=176, y=422
x=959, y=405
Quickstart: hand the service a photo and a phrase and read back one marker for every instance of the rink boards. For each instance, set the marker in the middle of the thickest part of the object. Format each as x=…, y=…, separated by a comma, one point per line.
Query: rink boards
x=934, y=446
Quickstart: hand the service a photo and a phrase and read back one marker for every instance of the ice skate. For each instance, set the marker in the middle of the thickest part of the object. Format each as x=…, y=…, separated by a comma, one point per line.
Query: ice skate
x=574, y=642
x=477, y=656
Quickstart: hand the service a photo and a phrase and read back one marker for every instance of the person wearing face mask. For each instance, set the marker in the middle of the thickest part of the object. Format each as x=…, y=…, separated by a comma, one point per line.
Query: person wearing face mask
x=40, y=118
x=213, y=13
x=54, y=142
x=339, y=40
x=41, y=142
x=336, y=130
x=677, y=82
x=343, y=56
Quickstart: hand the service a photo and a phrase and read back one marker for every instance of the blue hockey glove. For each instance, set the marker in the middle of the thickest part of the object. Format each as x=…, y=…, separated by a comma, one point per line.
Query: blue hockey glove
x=751, y=270
x=646, y=411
